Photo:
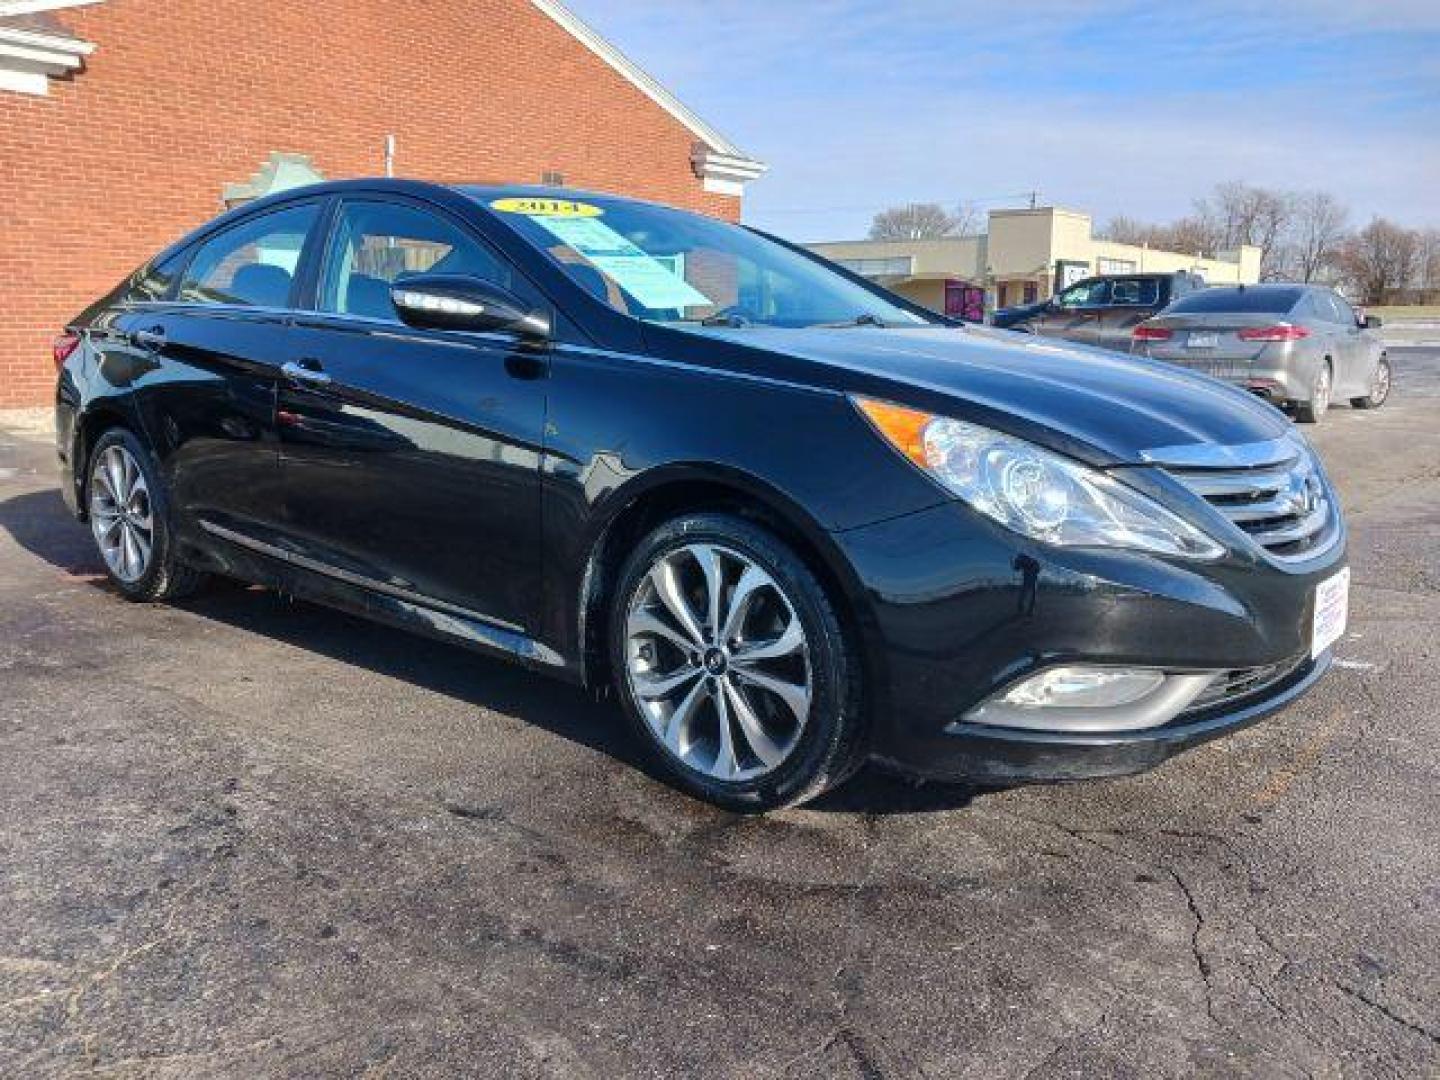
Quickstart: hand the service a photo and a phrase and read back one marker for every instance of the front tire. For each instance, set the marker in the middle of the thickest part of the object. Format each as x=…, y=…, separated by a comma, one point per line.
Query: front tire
x=732, y=666
x=129, y=518
x=1379, y=387
x=1311, y=411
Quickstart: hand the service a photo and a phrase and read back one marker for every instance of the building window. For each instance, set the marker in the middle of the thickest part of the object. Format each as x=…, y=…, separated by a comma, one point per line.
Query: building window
x=899, y=266
x=552, y=178
x=1116, y=266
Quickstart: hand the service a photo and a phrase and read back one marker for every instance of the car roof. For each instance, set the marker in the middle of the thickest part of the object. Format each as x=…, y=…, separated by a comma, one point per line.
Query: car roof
x=536, y=191
x=1267, y=286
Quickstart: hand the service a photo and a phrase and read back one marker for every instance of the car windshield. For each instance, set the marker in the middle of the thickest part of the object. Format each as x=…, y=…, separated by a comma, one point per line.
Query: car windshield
x=1270, y=301
x=670, y=266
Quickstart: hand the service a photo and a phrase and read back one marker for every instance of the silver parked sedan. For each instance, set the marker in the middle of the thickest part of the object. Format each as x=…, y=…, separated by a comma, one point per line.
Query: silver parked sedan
x=1298, y=346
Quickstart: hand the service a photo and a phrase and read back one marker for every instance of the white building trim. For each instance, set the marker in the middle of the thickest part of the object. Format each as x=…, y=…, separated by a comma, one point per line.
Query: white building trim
x=30, y=57
x=30, y=7
x=722, y=165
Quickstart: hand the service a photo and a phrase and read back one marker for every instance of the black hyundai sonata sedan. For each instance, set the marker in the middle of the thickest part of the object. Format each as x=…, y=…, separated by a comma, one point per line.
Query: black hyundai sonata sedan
x=794, y=521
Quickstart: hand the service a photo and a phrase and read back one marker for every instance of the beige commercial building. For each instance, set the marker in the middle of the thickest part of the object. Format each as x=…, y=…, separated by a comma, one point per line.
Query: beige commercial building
x=1023, y=256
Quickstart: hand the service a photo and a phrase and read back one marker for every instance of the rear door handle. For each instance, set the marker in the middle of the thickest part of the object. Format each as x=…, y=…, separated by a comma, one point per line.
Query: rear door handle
x=153, y=338
x=306, y=371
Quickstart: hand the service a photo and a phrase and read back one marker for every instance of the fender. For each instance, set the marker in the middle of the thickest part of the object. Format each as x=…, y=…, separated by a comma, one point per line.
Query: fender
x=675, y=488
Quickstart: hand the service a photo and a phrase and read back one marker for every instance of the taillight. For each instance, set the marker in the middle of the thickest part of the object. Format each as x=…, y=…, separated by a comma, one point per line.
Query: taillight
x=1278, y=332
x=63, y=346
x=1152, y=333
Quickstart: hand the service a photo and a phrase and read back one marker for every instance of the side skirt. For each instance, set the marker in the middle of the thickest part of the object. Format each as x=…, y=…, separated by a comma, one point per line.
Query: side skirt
x=397, y=606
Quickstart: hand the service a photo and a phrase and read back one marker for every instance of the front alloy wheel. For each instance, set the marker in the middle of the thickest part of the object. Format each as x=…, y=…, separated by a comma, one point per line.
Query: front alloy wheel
x=1379, y=387
x=718, y=661
x=733, y=667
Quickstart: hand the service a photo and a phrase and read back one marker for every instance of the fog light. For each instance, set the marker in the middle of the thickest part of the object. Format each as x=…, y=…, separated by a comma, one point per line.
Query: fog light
x=1086, y=687
x=1081, y=698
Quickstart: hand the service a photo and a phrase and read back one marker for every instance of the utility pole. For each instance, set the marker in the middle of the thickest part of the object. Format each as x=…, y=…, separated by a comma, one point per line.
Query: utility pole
x=389, y=155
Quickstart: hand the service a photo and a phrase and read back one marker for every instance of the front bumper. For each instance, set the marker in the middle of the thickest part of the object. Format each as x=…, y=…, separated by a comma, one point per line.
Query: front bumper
x=959, y=609
x=982, y=754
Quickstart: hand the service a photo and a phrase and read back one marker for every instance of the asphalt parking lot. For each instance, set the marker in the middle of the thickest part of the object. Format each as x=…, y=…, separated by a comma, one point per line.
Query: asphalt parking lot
x=246, y=836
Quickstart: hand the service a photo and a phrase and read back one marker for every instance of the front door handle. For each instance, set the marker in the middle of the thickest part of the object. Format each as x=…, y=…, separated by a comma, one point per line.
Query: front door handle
x=152, y=338
x=306, y=371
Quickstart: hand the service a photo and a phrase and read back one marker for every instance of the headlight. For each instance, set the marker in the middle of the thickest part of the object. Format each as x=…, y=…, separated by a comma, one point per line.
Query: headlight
x=1038, y=494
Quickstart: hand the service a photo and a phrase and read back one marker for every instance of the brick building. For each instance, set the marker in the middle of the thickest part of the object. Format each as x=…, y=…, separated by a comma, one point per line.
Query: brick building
x=125, y=123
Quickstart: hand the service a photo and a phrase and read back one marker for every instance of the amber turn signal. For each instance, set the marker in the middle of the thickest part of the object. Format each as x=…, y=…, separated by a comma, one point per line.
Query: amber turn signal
x=903, y=428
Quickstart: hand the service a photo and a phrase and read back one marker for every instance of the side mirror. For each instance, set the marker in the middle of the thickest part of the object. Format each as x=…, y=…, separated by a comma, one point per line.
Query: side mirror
x=461, y=302
x=1372, y=322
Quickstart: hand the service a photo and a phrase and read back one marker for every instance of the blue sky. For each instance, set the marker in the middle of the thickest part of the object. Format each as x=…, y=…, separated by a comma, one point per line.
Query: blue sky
x=1107, y=107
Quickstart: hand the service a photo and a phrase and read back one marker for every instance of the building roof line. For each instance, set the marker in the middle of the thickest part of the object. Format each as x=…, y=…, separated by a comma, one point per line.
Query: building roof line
x=644, y=82
x=32, y=7
x=58, y=44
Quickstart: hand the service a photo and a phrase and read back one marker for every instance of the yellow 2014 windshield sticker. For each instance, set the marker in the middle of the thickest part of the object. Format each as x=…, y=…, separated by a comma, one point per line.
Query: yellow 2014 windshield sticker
x=546, y=208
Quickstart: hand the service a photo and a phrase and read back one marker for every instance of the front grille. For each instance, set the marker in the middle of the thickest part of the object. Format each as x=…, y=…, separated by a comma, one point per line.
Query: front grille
x=1272, y=491
x=1240, y=683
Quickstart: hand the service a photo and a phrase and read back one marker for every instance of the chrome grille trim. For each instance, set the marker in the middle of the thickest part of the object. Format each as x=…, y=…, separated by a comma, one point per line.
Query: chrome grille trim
x=1281, y=451
x=1272, y=491
x=1302, y=529
x=1232, y=485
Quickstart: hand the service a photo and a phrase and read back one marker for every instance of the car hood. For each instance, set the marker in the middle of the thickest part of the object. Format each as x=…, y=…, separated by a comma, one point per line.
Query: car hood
x=1105, y=407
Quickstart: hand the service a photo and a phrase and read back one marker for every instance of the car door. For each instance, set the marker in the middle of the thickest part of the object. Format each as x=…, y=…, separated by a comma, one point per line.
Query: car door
x=1352, y=377
x=216, y=339
x=1074, y=313
x=1131, y=302
x=411, y=457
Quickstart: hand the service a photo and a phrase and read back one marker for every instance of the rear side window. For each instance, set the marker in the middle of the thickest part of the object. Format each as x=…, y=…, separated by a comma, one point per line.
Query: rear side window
x=153, y=282
x=1344, y=313
x=378, y=243
x=253, y=263
x=1135, y=292
x=1222, y=301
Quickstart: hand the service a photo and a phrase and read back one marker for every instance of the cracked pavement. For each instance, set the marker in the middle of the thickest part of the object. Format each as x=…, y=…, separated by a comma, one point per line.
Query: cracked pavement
x=242, y=836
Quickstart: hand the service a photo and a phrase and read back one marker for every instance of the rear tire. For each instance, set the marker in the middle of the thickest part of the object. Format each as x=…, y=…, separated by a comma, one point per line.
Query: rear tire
x=1311, y=411
x=754, y=702
x=1379, y=388
x=130, y=519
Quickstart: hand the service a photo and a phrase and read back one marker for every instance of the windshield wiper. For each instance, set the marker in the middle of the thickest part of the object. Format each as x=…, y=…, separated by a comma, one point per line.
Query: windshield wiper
x=863, y=319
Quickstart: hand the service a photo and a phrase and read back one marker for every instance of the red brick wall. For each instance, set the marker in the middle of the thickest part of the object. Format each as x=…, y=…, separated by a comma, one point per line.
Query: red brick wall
x=184, y=96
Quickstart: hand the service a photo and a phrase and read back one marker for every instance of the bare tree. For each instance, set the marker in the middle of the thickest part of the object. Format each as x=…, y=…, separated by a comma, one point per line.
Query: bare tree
x=916, y=221
x=1316, y=234
x=1258, y=217
x=1195, y=235
x=1380, y=260
x=968, y=218
x=1123, y=229
x=1427, y=266
x=1189, y=235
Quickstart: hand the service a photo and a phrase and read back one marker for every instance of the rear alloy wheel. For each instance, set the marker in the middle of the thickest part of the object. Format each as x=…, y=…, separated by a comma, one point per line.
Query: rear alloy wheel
x=1379, y=387
x=732, y=666
x=127, y=511
x=1310, y=412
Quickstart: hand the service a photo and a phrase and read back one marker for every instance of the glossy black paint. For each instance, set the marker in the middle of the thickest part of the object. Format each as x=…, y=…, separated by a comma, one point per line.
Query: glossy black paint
x=483, y=487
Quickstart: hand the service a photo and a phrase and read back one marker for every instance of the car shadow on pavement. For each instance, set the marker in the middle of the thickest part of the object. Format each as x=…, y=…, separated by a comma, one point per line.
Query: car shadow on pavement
x=39, y=522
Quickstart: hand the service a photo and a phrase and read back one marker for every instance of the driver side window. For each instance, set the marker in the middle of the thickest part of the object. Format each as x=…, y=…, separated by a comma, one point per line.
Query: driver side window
x=1087, y=294
x=378, y=243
